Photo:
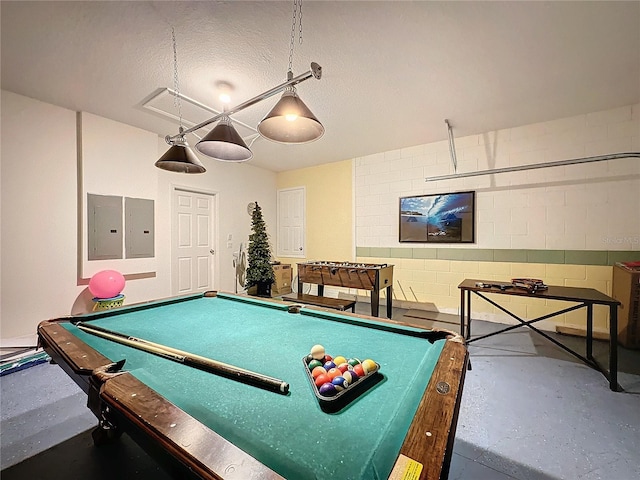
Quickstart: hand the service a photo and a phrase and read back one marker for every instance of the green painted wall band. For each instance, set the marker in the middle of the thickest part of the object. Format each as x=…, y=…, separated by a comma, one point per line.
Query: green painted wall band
x=567, y=257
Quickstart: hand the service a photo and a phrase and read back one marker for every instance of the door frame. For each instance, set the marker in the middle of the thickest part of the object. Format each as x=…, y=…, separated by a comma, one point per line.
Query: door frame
x=215, y=264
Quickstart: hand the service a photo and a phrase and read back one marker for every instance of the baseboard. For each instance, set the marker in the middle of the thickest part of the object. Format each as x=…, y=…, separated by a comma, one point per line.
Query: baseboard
x=434, y=316
x=581, y=332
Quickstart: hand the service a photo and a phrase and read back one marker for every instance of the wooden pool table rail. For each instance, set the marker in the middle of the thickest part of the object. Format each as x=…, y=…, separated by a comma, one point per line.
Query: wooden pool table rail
x=430, y=438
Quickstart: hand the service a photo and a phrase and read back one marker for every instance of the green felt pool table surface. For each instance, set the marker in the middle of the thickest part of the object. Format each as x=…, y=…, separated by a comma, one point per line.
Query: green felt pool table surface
x=289, y=434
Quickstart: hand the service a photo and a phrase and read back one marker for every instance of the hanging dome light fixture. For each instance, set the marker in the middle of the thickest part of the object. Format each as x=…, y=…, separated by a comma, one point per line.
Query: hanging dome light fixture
x=291, y=121
x=224, y=143
x=180, y=157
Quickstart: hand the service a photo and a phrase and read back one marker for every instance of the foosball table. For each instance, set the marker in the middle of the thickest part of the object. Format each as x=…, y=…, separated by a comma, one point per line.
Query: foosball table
x=363, y=276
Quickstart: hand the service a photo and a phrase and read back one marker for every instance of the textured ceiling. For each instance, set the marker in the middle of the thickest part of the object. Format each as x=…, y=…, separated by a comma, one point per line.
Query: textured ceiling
x=392, y=71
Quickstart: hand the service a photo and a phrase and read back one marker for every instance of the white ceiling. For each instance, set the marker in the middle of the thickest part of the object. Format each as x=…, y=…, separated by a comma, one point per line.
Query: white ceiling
x=392, y=71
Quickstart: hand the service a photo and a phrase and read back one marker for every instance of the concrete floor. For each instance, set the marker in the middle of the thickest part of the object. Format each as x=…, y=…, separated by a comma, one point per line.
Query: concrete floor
x=529, y=412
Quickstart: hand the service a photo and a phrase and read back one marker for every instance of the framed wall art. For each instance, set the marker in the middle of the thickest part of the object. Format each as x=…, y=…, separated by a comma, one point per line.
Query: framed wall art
x=439, y=218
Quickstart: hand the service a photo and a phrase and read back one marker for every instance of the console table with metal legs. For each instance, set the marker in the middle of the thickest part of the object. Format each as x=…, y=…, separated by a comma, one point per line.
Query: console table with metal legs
x=583, y=297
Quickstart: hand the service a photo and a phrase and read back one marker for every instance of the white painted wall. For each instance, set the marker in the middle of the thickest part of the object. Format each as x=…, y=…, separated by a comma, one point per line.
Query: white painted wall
x=38, y=213
x=235, y=185
x=39, y=240
x=116, y=159
x=578, y=207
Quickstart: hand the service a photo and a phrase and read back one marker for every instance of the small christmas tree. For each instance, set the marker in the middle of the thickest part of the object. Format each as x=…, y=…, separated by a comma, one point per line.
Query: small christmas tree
x=259, y=271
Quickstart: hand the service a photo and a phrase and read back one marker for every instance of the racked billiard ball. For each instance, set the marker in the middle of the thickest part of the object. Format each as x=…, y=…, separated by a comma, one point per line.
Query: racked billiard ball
x=353, y=362
x=328, y=390
x=334, y=372
x=369, y=366
x=314, y=363
x=319, y=370
x=339, y=359
x=359, y=370
x=321, y=379
x=350, y=376
x=343, y=367
x=340, y=383
x=329, y=365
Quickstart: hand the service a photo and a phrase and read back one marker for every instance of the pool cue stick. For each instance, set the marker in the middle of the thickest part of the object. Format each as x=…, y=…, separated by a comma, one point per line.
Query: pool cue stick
x=190, y=359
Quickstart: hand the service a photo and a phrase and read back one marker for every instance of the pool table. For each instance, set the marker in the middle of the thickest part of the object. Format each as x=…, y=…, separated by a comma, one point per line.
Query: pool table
x=203, y=425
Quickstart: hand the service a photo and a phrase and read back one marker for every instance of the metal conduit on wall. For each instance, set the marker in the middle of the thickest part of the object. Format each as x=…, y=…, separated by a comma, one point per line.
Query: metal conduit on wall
x=559, y=163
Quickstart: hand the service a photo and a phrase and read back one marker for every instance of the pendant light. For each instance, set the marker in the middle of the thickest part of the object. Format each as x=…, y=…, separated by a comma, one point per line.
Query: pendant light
x=291, y=121
x=224, y=143
x=180, y=157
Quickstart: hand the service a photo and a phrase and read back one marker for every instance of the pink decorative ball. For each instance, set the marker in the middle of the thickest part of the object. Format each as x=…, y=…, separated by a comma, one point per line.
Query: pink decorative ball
x=106, y=284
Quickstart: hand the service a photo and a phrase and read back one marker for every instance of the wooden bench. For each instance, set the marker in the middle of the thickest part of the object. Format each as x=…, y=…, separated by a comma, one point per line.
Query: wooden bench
x=328, y=302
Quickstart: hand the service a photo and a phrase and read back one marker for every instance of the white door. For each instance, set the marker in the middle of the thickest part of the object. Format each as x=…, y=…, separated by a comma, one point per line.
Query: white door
x=192, y=243
x=291, y=222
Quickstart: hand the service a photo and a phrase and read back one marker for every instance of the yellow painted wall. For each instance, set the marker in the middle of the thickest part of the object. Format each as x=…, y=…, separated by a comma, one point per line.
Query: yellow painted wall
x=329, y=207
x=434, y=285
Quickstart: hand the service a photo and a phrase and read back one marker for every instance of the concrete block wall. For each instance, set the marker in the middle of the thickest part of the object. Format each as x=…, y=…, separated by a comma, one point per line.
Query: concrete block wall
x=566, y=225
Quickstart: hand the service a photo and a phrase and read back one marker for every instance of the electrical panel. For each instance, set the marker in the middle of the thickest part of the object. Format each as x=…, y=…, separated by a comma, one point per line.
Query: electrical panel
x=104, y=219
x=139, y=225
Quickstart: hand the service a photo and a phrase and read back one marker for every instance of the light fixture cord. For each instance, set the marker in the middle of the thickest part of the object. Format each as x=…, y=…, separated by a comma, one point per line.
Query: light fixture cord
x=176, y=84
x=297, y=5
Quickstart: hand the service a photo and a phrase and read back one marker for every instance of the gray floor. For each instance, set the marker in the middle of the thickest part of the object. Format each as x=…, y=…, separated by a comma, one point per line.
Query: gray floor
x=529, y=412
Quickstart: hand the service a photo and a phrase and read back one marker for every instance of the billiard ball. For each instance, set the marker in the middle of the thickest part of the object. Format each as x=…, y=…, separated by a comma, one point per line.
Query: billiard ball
x=317, y=352
x=321, y=379
x=340, y=383
x=343, y=367
x=350, y=376
x=334, y=372
x=339, y=359
x=329, y=365
x=314, y=363
x=369, y=366
x=318, y=371
x=328, y=390
x=353, y=362
x=359, y=370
